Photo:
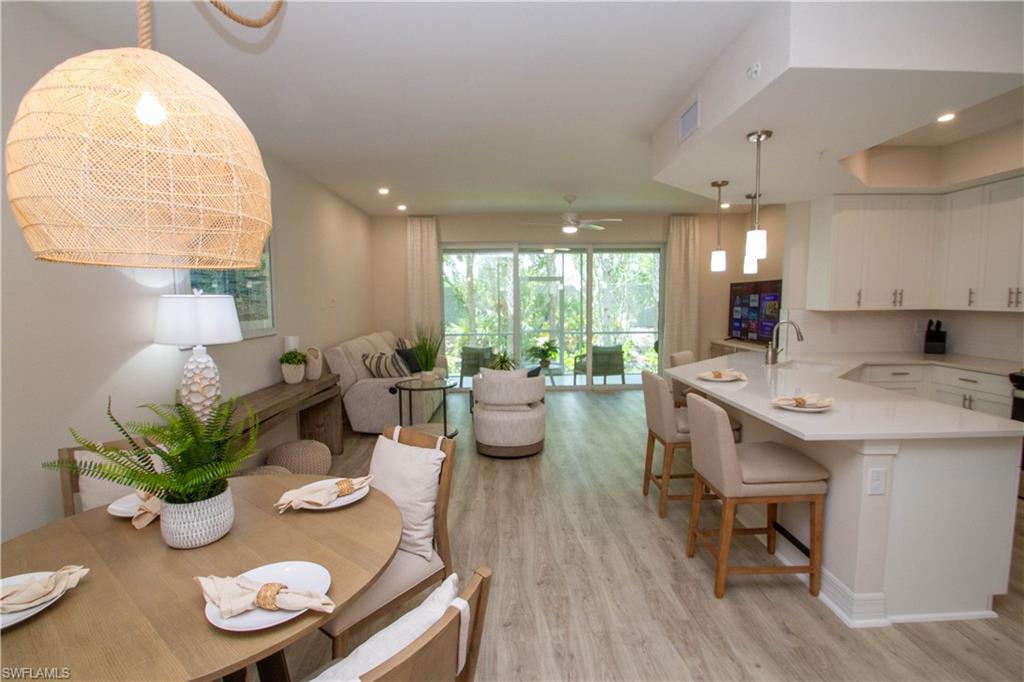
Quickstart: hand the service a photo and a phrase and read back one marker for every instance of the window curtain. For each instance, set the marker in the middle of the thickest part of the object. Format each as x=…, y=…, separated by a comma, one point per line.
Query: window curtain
x=423, y=283
x=681, y=288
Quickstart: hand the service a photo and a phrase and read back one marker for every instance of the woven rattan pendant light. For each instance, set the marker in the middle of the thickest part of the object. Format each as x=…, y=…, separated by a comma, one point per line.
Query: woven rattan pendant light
x=124, y=157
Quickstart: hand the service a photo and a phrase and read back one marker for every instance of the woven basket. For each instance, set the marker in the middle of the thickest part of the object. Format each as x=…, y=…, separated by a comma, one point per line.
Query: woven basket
x=185, y=526
x=126, y=158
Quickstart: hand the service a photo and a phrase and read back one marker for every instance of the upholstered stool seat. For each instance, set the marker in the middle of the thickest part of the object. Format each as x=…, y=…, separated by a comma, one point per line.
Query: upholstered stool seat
x=302, y=457
x=268, y=470
x=750, y=473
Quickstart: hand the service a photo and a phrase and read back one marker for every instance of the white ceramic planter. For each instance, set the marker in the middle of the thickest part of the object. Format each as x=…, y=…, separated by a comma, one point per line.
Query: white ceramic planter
x=185, y=526
x=293, y=374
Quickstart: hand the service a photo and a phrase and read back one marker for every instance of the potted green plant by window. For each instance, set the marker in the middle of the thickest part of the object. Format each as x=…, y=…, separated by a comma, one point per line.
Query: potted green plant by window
x=543, y=352
x=429, y=341
x=293, y=366
x=185, y=461
x=503, y=361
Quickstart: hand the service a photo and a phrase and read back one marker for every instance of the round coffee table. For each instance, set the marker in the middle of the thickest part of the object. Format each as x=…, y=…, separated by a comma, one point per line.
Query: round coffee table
x=410, y=386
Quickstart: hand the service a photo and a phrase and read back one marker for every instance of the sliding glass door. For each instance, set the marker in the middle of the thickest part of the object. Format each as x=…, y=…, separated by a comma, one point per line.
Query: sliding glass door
x=598, y=307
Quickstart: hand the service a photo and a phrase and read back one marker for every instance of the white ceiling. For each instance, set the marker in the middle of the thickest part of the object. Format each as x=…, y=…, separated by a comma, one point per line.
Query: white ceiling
x=991, y=114
x=455, y=107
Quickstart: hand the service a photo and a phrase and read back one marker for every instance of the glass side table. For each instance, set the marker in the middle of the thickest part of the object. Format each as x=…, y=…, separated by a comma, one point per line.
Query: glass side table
x=410, y=386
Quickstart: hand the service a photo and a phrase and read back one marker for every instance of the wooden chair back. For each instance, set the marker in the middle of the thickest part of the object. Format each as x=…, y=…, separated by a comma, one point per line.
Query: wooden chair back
x=659, y=408
x=434, y=655
x=679, y=389
x=421, y=439
x=69, y=481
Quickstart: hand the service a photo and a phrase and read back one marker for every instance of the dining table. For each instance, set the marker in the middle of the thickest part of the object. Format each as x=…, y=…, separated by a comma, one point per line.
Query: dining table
x=139, y=613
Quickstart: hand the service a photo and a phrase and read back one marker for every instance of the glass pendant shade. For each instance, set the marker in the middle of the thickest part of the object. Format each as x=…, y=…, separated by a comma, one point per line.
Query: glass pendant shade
x=749, y=264
x=124, y=157
x=718, y=260
x=757, y=244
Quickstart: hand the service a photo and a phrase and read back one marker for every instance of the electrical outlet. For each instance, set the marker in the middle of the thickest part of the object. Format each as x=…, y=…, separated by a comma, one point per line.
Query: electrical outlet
x=876, y=481
x=753, y=71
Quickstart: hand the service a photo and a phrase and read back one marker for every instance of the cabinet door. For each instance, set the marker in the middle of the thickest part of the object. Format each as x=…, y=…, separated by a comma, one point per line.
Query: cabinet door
x=918, y=226
x=994, y=405
x=963, y=236
x=1004, y=223
x=879, y=229
x=950, y=396
x=847, y=253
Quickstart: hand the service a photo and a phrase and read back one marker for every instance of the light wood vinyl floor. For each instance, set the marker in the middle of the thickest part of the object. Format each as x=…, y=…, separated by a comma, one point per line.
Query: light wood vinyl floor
x=589, y=584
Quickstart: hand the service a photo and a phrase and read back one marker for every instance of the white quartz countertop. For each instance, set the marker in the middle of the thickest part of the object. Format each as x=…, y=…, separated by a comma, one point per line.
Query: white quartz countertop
x=847, y=362
x=861, y=412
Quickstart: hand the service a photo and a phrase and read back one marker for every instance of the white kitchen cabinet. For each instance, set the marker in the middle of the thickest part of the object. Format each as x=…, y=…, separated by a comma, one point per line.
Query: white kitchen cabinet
x=950, y=396
x=847, y=253
x=919, y=229
x=1000, y=280
x=962, y=241
x=880, y=235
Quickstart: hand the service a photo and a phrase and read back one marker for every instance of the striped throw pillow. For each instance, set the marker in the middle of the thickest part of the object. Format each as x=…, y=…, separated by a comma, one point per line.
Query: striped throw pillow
x=385, y=365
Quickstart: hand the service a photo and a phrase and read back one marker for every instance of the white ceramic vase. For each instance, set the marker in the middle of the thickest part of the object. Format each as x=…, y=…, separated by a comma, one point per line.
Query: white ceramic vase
x=293, y=374
x=314, y=363
x=194, y=524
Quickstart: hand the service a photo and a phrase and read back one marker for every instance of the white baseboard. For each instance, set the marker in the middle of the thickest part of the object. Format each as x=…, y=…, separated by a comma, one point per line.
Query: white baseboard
x=936, y=617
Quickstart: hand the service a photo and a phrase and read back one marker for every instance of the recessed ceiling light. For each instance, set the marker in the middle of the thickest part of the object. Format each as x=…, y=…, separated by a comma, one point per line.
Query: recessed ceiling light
x=402, y=207
x=383, y=190
x=947, y=117
x=725, y=204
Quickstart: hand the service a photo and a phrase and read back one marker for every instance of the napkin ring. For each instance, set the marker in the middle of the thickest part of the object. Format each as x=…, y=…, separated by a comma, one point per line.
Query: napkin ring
x=266, y=598
x=345, y=486
x=800, y=402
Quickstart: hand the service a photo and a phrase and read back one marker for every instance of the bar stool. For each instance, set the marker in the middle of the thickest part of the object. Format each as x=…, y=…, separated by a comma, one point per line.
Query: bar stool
x=751, y=473
x=679, y=389
x=671, y=428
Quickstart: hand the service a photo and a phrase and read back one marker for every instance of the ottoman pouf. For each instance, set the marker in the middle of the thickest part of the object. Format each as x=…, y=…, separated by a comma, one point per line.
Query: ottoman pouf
x=268, y=470
x=302, y=457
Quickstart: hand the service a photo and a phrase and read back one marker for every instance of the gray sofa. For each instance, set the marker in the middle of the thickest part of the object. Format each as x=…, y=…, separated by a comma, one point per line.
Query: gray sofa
x=369, y=403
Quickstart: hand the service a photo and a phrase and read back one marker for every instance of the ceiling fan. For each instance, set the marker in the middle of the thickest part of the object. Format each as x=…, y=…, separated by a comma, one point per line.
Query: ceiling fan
x=571, y=223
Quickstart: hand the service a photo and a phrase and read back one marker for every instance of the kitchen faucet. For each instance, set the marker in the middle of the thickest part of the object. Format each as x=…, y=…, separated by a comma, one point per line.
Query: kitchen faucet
x=771, y=353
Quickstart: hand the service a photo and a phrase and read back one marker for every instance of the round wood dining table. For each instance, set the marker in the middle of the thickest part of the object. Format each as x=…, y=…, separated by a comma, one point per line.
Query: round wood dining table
x=138, y=614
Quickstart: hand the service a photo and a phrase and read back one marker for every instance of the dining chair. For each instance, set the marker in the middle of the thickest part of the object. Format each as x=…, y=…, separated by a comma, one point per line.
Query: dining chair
x=408, y=573
x=679, y=389
x=765, y=473
x=435, y=655
x=99, y=492
x=671, y=428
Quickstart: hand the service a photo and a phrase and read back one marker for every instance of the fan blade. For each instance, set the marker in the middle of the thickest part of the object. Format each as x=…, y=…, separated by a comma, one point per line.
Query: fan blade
x=590, y=226
x=544, y=224
x=604, y=220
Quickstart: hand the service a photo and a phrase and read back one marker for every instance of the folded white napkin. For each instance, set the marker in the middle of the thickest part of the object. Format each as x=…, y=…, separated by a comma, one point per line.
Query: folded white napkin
x=37, y=591
x=149, y=509
x=809, y=400
x=238, y=595
x=320, y=493
x=723, y=374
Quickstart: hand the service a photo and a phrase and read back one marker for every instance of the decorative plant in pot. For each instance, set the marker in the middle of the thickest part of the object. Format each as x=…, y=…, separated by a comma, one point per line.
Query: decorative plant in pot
x=185, y=461
x=544, y=352
x=429, y=341
x=503, y=361
x=293, y=366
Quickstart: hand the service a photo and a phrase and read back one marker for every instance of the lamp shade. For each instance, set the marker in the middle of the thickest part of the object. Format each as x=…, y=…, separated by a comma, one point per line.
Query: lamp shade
x=749, y=264
x=124, y=157
x=757, y=243
x=718, y=260
x=196, y=320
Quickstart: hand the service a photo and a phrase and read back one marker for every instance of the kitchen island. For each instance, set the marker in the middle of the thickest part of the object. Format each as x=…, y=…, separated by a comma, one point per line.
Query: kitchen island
x=922, y=497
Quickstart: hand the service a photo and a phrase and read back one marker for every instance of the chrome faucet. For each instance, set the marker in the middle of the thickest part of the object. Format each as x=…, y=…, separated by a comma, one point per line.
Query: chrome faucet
x=771, y=353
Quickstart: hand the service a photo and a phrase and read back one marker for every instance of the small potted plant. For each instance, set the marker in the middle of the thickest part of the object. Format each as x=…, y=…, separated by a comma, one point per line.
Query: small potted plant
x=544, y=352
x=293, y=366
x=503, y=361
x=429, y=341
x=184, y=461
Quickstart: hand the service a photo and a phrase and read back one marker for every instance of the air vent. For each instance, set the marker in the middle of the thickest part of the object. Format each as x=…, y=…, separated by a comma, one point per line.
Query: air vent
x=689, y=121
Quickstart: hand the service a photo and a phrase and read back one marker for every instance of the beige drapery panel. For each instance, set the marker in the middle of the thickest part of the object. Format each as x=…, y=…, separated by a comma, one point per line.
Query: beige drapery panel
x=681, y=287
x=423, y=283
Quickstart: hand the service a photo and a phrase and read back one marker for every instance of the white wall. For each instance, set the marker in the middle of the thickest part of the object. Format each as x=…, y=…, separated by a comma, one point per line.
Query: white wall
x=74, y=335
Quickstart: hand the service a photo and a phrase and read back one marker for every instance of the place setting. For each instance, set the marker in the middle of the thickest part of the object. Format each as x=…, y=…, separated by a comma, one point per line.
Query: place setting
x=324, y=495
x=23, y=596
x=806, y=402
x=722, y=375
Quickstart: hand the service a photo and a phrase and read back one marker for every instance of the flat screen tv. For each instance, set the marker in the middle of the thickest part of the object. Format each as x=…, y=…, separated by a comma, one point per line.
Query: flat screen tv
x=754, y=309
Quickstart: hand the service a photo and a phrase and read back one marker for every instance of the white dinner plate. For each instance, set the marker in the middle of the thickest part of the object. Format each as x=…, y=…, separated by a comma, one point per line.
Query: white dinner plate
x=794, y=408
x=297, y=575
x=8, y=619
x=341, y=501
x=125, y=507
x=707, y=376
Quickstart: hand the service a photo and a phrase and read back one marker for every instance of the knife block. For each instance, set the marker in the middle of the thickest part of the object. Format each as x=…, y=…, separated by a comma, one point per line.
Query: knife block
x=935, y=343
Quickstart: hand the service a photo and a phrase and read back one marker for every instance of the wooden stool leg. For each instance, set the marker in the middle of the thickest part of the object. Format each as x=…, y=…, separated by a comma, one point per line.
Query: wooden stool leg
x=649, y=462
x=724, y=540
x=773, y=515
x=817, y=530
x=339, y=646
x=698, y=494
x=666, y=478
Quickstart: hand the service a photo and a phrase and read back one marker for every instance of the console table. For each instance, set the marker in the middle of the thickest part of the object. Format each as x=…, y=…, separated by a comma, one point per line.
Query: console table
x=317, y=404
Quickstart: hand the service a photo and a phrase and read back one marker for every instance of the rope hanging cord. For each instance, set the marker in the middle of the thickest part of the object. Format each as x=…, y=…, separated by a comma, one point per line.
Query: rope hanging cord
x=146, y=21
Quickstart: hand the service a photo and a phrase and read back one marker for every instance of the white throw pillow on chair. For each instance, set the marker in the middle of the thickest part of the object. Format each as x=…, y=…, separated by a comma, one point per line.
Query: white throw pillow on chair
x=410, y=476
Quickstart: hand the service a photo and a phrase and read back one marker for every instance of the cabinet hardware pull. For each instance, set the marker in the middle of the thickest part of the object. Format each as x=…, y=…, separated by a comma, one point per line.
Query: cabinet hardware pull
x=970, y=297
x=1009, y=297
x=899, y=374
x=970, y=402
x=901, y=298
x=894, y=297
x=1018, y=297
x=858, y=298
x=963, y=401
x=970, y=381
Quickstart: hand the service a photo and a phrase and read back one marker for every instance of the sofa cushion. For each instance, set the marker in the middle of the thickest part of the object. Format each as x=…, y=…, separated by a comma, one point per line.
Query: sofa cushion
x=385, y=365
x=408, y=356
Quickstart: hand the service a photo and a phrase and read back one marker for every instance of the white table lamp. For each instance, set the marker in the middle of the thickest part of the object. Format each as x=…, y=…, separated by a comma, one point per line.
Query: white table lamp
x=198, y=320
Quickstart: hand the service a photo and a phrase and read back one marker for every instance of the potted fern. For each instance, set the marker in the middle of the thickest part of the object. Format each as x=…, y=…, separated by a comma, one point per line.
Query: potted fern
x=503, y=361
x=544, y=352
x=293, y=366
x=185, y=461
x=429, y=341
